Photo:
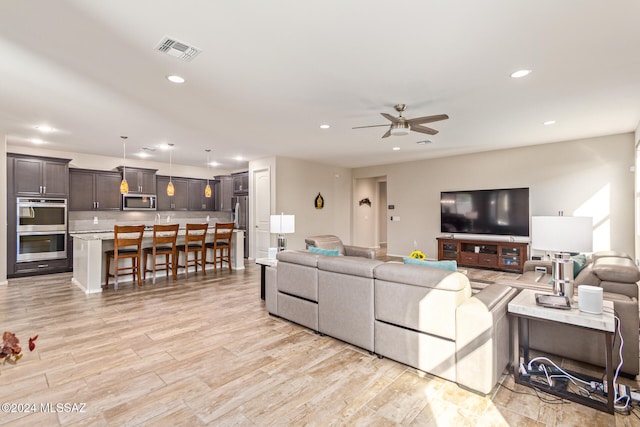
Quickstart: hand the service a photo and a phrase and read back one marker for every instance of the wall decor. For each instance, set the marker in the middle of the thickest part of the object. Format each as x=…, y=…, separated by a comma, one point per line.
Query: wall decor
x=319, y=201
x=365, y=201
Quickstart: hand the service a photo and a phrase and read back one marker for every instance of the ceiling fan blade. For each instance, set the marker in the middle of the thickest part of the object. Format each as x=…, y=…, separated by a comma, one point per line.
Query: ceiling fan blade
x=428, y=119
x=390, y=117
x=372, y=126
x=387, y=134
x=423, y=129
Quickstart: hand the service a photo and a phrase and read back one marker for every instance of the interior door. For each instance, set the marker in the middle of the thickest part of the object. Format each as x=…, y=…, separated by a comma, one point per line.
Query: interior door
x=262, y=211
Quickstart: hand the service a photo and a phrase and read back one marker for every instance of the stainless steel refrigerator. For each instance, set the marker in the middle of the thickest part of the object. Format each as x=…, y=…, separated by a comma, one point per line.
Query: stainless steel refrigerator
x=241, y=218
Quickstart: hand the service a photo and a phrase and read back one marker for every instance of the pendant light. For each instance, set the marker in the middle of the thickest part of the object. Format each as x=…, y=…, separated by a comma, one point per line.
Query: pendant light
x=124, y=186
x=207, y=189
x=170, y=189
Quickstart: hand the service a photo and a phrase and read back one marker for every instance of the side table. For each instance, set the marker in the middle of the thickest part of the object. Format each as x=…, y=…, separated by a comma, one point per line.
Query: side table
x=264, y=263
x=523, y=307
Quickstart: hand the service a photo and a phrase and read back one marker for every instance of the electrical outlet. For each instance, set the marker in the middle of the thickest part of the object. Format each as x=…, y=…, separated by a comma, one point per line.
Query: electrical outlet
x=95, y=219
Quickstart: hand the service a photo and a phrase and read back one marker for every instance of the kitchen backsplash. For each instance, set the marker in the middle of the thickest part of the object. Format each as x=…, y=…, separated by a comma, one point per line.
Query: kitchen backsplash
x=105, y=220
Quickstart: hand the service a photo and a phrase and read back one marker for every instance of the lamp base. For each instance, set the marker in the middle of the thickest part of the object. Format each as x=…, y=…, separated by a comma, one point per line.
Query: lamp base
x=562, y=267
x=282, y=242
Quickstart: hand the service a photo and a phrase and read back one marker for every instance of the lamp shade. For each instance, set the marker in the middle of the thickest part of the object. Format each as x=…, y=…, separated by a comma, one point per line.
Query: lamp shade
x=283, y=224
x=562, y=233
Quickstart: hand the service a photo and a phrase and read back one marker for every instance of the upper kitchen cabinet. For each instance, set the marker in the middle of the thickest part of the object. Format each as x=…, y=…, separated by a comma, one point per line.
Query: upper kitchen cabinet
x=223, y=192
x=92, y=190
x=142, y=181
x=180, y=199
x=240, y=183
x=197, y=200
x=39, y=176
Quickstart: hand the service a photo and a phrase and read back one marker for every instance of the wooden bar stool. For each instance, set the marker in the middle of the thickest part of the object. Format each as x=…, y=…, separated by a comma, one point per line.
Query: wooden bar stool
x=193, y=243
x=222, y=243
x=164, y=243
x=127, y=243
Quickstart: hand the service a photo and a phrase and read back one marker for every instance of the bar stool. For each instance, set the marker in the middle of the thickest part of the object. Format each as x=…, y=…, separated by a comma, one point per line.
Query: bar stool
x=221, y=242
x=127, y=243
x=193, y=242
x=164, y=243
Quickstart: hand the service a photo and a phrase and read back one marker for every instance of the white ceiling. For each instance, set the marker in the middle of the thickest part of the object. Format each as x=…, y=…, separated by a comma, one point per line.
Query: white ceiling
x=271, y=72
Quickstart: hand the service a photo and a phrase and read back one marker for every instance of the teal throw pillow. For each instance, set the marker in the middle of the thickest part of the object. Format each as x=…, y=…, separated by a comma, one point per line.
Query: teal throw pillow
x=327, y=252
x=579, y=262
x=444, y=265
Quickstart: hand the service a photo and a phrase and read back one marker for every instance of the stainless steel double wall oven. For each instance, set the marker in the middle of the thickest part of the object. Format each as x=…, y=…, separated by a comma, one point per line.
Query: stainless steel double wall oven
x=41, y=227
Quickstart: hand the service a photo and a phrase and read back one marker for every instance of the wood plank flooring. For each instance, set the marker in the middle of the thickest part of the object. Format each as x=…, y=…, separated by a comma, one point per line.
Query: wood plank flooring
x=204, y=351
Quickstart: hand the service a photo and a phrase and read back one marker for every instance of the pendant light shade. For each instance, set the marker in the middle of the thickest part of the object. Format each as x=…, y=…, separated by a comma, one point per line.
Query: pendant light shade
x=124, y=186
x=170, y=189
x=207, y=189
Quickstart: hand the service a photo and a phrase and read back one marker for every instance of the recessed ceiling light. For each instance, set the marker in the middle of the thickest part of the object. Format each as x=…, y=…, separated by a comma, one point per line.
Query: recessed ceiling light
x=175, y=79
x=324, y=126
x=142, y=154
x=37, y=141
x=214, y=164
x=520, y=73
x=44, y=128
x=164, y=146
x=549, y=122
x=396, y=148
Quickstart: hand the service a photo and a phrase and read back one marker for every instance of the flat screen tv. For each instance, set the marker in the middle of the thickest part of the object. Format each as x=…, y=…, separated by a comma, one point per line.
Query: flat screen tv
x=499, y=212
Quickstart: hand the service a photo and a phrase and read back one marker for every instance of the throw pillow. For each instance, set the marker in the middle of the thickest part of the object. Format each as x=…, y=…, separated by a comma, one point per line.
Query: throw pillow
x=445, y=265
x=579, y=262
x=326, y=252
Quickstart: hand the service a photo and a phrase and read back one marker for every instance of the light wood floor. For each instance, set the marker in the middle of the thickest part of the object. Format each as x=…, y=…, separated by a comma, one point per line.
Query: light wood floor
x=205, y=352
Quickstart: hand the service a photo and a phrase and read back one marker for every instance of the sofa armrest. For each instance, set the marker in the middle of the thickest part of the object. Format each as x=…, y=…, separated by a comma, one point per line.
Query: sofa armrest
x=531, y=265
x=482, y=338
x=359, y=252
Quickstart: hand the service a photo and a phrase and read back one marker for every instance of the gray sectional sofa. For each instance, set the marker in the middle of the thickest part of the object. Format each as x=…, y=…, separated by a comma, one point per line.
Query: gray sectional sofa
x=421, y=316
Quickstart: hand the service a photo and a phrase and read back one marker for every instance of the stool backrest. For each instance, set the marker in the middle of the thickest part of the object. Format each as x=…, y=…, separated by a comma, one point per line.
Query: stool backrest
x=196, y=233
x=127, y=235
x=224, y=231
x=163, y=234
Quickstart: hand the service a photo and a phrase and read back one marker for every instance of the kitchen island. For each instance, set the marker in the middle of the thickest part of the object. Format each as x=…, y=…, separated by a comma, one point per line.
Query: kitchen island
x=89, y=259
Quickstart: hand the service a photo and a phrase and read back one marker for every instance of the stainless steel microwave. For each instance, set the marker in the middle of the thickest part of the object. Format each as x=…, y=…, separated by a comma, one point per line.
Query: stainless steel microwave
x=139, y=202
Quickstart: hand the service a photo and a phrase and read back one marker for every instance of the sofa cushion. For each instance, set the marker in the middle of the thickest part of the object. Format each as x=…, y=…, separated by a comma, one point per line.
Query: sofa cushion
x=445, y=265
x=579, y=262
x=354, y=266
x=298, y=257
x=615, y=269
x=326, y=241
x=321, y=251
x=422, y=276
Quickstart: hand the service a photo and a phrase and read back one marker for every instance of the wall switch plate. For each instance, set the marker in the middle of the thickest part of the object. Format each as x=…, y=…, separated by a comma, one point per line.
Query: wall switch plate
x=395, y=218
x=95, y=219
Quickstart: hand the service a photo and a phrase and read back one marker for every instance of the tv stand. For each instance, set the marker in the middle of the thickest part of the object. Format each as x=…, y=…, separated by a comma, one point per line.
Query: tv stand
x=507, y=256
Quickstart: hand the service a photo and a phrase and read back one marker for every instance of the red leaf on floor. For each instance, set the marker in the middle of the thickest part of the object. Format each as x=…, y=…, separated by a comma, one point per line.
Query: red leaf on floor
x=32, y=343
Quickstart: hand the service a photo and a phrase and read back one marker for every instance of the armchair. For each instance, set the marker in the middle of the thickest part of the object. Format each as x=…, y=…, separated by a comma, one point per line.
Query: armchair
x=329, y=241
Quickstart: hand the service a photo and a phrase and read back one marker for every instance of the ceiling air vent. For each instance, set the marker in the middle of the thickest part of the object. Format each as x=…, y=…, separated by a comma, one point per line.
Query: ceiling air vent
x=177, y=49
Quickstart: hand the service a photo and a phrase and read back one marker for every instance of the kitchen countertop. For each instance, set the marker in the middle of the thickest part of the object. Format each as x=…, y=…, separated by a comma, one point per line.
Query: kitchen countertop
x=108, y=234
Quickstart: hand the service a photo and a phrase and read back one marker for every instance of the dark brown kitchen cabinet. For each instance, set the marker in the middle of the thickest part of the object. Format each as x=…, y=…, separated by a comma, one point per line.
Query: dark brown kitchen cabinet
x=223, y=192
x=197, y=200
x=40, y=176
x=141, y=181
x=240, y=182
x=92, y=190
x=180, y=199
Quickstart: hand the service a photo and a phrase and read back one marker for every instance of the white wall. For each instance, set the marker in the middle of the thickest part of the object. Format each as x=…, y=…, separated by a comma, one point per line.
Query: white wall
x=3, y=211
x=298, y=182
x=588, y=177
x=637, y=193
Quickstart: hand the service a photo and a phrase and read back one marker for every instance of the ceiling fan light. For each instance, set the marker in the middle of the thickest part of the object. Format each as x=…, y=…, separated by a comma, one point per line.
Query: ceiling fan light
x=400, y=129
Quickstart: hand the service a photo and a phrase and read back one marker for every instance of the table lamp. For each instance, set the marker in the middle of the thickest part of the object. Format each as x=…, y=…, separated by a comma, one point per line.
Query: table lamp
x=282, y=224
x=562, y=235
